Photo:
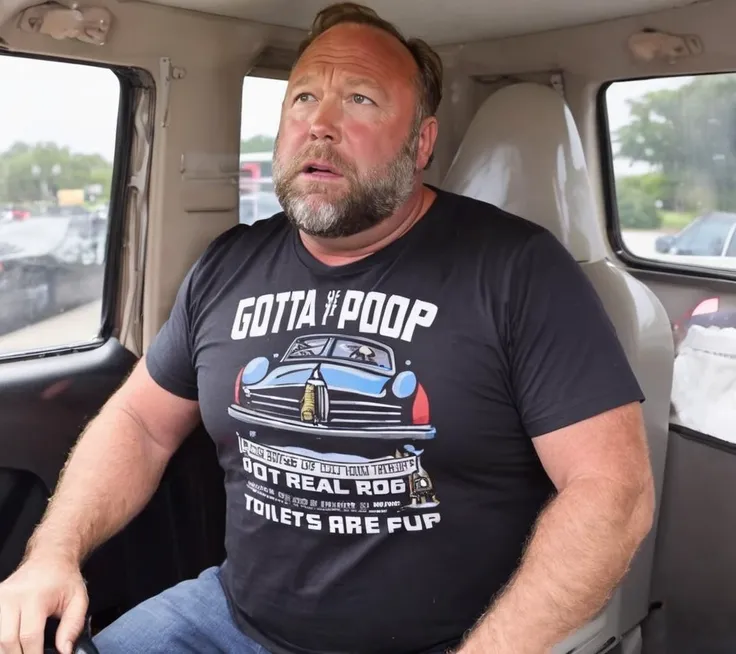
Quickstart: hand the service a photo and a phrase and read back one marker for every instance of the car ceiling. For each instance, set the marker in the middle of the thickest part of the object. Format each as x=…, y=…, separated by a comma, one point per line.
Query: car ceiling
x=442, y=21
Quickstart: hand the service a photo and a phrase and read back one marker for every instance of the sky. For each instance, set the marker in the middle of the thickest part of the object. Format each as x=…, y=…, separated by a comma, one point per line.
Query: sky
x=76, y=105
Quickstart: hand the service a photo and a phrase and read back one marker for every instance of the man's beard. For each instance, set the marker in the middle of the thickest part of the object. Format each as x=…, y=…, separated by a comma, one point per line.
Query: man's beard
x=368, y=200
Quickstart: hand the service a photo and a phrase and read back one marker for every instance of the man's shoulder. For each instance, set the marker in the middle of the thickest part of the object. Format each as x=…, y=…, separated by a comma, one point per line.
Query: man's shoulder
x=242, y=240
x=485, y=224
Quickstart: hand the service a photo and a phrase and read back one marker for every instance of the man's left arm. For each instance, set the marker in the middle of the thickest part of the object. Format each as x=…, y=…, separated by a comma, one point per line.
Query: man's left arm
x=583, y=541
x=579, y=402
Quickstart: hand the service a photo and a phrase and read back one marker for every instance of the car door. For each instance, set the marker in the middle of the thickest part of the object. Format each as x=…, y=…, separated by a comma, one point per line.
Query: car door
x=692, y=595
x=60, y=358
x=711, y=237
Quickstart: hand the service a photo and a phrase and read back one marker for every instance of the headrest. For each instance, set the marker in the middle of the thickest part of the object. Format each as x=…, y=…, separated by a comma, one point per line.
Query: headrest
x=523, y=153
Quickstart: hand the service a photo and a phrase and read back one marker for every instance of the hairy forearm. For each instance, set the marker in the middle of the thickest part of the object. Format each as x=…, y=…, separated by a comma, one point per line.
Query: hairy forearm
x=581, y=547
x=110, y=476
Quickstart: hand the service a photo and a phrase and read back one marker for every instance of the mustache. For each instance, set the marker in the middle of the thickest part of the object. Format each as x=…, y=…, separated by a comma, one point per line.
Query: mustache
x=324, y=153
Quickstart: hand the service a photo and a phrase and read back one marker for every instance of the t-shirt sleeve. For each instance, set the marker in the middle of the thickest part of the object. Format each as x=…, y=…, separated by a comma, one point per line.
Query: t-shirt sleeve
x=566, y=361
x=169, y=359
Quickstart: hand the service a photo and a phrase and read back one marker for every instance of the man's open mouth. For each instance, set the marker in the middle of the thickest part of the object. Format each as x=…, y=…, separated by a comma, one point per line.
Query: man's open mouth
x=321, y=170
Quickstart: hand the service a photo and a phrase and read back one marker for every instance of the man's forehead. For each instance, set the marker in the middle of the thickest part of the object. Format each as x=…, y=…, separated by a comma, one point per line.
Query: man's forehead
x=347, y=77
x=357, y=52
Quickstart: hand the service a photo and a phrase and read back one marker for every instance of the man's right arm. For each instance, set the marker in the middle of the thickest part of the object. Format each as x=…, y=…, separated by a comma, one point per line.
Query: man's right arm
x=113, y=471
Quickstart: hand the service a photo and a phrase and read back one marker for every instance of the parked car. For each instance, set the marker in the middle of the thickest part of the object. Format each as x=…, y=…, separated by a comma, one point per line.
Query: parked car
x=9, y=213
x=710, y=235
x=49, y=264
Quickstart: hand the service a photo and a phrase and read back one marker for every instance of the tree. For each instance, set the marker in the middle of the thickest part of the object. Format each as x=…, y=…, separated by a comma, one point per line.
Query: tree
x=258, y=143
x=688, y=134
x=33, y=173
x=636, y=201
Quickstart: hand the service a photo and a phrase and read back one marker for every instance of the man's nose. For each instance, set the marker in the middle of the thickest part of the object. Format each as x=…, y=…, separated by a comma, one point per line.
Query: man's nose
x=326, y=123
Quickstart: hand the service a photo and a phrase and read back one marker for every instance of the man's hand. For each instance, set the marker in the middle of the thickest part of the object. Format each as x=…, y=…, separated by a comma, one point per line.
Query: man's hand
x=44, y=586
x=583, y=542
x=109, y=478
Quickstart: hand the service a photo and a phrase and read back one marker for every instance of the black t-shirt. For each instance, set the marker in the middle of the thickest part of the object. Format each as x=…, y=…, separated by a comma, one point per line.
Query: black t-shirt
x=375, y=420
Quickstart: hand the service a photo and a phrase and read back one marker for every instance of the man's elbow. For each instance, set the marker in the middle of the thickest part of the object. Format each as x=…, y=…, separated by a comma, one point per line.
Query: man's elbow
x=642, y=516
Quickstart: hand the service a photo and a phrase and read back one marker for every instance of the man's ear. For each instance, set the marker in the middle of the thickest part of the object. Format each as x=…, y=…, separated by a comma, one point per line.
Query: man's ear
x=427, y=139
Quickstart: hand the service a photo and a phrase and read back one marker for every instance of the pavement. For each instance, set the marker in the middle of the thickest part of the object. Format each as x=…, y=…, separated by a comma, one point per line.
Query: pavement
x=640, y=243
x=79, y=325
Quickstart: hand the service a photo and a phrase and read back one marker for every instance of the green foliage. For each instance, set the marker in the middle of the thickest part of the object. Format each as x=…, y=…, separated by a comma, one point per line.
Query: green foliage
x=259, y=143
x=674, y=221
x=637, y=207
x=33, y=173
x=688, y=135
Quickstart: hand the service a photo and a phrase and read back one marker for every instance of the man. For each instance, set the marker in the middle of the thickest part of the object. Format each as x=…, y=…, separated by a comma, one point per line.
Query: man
x=434, y=440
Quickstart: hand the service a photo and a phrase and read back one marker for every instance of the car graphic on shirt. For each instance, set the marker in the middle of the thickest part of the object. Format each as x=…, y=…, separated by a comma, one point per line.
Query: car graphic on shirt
x=334, y=385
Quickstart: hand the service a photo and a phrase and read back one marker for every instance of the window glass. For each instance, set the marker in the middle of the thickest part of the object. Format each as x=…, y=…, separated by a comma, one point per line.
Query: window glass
x=674, y=146
x=259, y=124
x=57, y=144
x=362, y=352
x=306, y=346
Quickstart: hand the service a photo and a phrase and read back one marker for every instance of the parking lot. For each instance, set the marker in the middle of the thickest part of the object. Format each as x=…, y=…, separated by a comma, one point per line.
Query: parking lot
x=640, y=243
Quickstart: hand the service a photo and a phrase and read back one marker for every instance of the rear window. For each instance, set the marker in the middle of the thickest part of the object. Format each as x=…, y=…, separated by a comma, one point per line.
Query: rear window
x=673, y=142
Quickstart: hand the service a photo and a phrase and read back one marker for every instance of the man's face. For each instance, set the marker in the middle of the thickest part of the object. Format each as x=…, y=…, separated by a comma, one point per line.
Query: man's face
x=346, y=155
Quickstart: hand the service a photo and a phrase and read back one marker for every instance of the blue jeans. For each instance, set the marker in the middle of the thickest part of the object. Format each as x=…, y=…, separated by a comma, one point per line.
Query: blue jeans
x=192, y=616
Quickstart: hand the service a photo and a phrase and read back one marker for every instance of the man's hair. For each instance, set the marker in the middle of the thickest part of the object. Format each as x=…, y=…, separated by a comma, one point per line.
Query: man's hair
x=429, y=79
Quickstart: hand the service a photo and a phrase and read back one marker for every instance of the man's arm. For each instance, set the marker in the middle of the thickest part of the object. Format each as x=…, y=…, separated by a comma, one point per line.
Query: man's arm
x=584, y=540
x=115, y=467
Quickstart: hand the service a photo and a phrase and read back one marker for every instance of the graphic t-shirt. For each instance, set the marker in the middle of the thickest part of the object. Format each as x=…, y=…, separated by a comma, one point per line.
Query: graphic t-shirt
x=375, y=421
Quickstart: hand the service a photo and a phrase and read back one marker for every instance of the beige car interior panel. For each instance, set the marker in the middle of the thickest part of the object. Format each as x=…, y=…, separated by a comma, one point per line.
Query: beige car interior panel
x=530, y=167
x=88, y=24
x=137, y=220
x=438, y=21
x=523, y=153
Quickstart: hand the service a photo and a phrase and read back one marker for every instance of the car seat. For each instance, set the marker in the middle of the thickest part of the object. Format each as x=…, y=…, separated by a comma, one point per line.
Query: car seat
x=523, y=153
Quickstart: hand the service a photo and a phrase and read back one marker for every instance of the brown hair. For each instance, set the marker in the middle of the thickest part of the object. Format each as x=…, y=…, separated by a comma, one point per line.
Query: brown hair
x=429, y=79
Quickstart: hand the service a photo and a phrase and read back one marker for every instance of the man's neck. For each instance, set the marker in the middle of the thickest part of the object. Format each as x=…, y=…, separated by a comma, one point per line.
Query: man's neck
x=341, y=251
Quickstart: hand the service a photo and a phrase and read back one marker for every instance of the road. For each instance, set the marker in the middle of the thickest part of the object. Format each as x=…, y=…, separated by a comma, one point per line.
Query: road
x=78, y=325
x=640, y=243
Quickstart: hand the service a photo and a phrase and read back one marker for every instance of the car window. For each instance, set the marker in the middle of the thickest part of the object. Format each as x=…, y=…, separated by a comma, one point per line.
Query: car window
x=673, y=144
x=306, y=347
x=362, y=352
x=57, y=145
x=259, y=124
x=673, y=150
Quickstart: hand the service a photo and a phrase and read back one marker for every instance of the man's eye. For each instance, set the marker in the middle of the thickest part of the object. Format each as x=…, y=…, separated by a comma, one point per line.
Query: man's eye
x=304, y=97
x=361, y=99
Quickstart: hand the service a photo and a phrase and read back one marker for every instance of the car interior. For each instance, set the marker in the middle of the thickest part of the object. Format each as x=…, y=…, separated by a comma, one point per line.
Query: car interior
x=613, y=125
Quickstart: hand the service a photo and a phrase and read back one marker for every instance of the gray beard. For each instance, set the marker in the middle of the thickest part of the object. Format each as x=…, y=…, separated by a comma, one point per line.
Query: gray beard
x=368, y=201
